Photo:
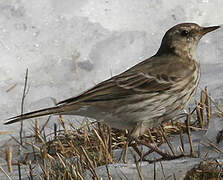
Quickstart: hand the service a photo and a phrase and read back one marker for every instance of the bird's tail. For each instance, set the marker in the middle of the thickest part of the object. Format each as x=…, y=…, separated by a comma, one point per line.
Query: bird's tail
x=41, y=112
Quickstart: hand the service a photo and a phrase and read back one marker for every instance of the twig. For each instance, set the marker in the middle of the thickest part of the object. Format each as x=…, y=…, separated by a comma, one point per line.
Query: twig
x=22, y=105
x=1, y=169
x=137, y=167
x=109, y=140
x=215, y=103
x=153, y=148
x=12, y=87
x=189, y=135
x=43, y=127
x=109, y=175
x=210, y=143
x=199, y=116
x=9, y=157
x=167, y=141
x=55, y=130
x=19, y=170
x=31, y=170
x=154, y=170
x=182, y=141
x=208, y=105
x=202, y=105
x=162, y=170
x=125, y=151
x=18, y=142
x=151, y=137
x=91, y=166
x=109, y=157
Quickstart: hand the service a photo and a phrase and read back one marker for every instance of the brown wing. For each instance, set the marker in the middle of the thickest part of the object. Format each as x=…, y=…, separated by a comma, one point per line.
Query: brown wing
x=152, y=75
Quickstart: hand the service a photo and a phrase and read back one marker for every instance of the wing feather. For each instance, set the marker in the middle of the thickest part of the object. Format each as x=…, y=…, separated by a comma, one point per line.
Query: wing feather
x=156, y=74
x=121, y=87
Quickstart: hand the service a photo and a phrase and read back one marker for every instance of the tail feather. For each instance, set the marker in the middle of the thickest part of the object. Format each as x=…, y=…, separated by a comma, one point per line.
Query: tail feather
x=41, y=112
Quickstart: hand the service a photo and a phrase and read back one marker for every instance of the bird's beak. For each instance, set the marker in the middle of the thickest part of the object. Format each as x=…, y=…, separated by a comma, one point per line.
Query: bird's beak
x=206, y=30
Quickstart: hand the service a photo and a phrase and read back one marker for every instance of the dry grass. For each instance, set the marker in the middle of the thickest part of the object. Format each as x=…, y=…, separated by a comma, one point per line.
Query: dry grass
x=207, y=170
x=68, y=152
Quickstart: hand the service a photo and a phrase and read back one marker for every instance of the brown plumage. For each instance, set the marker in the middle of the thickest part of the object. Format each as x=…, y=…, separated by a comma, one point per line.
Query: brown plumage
x=146, y=94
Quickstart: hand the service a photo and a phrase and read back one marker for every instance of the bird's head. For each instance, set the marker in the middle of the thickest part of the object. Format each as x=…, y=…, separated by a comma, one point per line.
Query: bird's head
x=183, y=39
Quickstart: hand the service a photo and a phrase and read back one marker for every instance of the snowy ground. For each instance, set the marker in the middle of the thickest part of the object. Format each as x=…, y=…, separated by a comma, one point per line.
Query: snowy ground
x=68, y=46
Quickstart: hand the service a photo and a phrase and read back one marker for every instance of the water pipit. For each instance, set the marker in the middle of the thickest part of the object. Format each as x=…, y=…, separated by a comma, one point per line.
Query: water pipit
x=146, y=94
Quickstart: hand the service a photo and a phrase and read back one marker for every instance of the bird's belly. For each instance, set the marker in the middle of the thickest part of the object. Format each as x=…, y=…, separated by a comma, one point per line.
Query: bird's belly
x=140, y=108
x=152, y=109
x=184, y=95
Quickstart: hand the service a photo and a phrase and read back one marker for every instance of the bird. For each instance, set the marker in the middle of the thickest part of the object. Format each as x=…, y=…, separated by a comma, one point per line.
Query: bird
x=145, y=95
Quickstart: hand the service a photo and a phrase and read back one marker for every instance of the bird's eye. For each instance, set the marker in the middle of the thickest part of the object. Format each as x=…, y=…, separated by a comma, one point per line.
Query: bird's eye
x=184, y=33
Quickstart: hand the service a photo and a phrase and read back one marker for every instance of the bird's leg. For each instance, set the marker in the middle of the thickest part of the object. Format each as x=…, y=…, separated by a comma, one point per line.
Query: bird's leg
x=155, y=149
x=185, y=112
x=131, y=141
x=125, y=150
x=138, y=131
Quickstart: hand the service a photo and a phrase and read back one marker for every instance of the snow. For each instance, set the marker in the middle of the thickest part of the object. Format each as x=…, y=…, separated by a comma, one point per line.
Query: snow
x=164, y=170
x=70, y=46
